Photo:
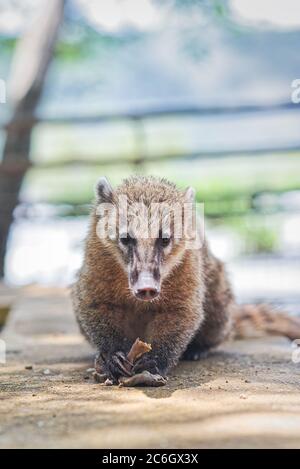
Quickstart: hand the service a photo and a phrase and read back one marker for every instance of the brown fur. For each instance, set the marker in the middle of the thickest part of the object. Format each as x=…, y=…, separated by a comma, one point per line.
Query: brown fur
x=194, y=312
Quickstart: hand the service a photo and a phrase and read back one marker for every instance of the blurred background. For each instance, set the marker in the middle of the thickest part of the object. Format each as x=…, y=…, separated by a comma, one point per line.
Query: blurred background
x=199, y=92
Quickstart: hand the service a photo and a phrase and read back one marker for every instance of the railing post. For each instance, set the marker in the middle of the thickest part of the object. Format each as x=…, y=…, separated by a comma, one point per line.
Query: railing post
x=140, y=142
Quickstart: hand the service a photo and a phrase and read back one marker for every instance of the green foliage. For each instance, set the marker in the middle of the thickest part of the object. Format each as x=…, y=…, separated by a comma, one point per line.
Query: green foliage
x=257, y=235
x=7, y=44
x=260, y=239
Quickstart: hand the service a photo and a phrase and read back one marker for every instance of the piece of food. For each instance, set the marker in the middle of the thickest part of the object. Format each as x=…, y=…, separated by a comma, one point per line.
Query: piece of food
x=137, y=350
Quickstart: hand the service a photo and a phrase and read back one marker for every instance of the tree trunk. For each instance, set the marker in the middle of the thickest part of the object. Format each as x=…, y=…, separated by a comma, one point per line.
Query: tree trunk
x=31, y=62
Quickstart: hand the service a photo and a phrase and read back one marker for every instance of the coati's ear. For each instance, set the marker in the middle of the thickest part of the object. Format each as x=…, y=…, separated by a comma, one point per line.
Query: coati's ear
x=104, y=191
x=189, y=194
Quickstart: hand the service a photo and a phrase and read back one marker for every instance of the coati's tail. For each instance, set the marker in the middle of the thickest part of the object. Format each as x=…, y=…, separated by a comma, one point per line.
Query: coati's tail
x=261, y=320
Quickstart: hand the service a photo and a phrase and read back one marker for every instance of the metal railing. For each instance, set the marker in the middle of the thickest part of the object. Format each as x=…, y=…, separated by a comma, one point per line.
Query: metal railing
x=138, y=118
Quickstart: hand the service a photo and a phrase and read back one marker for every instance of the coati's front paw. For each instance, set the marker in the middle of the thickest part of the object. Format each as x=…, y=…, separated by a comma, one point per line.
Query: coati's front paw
x=146, y=363
x=146, y=373
x=117, y=365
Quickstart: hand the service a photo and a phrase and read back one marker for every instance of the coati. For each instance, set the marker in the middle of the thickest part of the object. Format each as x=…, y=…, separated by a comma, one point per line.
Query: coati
x=157, y=288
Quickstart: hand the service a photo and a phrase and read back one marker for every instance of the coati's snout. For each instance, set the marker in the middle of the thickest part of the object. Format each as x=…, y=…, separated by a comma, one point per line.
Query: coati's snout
x=144, y=259
x=146, y=288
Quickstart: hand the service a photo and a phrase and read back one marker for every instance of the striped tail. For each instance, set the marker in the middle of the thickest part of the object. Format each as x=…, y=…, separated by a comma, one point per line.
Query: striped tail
x=261, y=320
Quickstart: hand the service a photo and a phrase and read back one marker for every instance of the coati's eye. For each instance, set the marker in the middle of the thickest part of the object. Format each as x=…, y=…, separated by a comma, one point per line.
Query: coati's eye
x=164, y=239
x=165, y=242
x=127, y=240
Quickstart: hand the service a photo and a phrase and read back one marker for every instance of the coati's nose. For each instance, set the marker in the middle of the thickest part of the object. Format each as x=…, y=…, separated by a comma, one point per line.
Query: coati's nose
x=147, y=294
x=146, y=287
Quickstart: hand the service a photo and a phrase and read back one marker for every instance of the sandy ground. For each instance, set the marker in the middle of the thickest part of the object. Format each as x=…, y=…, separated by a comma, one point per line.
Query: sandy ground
x=243, y=395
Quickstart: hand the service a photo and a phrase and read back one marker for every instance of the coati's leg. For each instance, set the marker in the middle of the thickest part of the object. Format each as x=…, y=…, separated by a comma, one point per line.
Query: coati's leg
x=218, y=306
x=168, y=343
x=99, y=323
x=112, y=353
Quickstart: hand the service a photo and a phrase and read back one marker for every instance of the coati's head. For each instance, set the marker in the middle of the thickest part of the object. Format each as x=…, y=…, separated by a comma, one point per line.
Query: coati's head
x=143, y=224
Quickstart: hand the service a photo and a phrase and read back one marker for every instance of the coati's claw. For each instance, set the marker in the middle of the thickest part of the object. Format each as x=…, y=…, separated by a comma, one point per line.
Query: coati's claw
x=98, y=364
x=146, y=363
x=99, y=377
x=117, y=365
x=143, y=379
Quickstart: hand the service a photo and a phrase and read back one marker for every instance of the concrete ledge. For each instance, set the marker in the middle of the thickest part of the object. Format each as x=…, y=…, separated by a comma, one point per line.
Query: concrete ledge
x=243, y=395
